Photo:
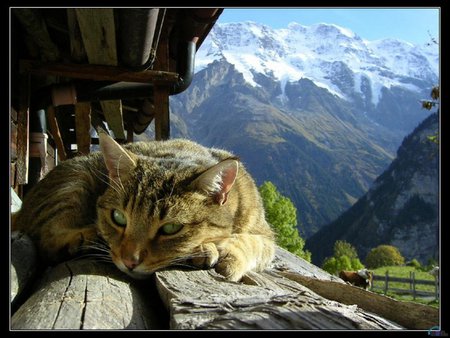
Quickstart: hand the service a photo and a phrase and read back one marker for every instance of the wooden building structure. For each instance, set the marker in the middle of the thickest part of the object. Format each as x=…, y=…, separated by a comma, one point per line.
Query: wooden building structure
x=78, y=68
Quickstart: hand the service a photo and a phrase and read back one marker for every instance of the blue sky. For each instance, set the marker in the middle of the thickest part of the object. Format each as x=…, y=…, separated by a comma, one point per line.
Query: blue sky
x=408, y=24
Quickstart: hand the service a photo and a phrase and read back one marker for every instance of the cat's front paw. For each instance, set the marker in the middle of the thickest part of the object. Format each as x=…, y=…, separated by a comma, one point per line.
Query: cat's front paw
x=233, y=263
x=206, y=256
x=231, y=268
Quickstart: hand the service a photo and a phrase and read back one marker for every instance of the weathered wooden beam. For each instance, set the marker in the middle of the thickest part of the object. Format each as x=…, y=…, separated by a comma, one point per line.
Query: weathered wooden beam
x=88, y=295
x=83, y=127
x=98, y=33
x=263, y=301
x=99, y=37
x=55, y=132
x=99, y=72
x=82, y=294
x=411, y=315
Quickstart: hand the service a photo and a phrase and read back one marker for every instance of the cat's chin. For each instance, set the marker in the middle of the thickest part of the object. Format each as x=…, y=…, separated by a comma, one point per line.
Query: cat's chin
x=136, y=274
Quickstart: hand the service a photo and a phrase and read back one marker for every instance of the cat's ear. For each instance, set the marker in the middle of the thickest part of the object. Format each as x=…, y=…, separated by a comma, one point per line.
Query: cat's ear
x=118, y=161
x=218, y=180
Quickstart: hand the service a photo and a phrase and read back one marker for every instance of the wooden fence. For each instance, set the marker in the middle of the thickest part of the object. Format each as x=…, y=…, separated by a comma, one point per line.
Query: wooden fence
x=412, y=281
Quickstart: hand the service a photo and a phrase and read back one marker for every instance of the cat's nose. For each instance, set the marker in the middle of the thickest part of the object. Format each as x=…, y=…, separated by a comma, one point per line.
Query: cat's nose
x=132, y=261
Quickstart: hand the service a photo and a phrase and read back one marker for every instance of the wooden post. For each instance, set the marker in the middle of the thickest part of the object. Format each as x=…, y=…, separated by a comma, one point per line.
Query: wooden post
x=83, y=126
x=386, y=282
x=414, y=284
x=56, y=134
x=161, y=94
x=162, y=123
x=436, y=287
x=410, y=282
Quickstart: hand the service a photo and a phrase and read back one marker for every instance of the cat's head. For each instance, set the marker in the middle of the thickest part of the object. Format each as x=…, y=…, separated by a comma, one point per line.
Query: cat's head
x=157, y=213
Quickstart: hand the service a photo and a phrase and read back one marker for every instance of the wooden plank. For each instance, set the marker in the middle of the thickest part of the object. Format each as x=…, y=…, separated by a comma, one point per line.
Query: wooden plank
x=286, y=261
x=13, y=148
x=13, y=144
x=99, y=37
x=77, y=51
x=408, y=314
x=162, y=122
x=98, y=33
x=50, y=159
x=112, y=109
x=56, y=134
x=83, y=127
x=200, y=299
x=88, y=295
x=99, y=72
x=23, y=131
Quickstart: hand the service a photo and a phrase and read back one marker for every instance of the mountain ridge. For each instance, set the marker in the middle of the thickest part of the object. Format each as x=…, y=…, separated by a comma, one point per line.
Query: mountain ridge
x=401, y=208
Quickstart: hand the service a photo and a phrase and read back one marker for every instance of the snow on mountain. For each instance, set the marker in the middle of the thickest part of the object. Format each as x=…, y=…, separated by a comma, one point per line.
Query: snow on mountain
x=317, y=52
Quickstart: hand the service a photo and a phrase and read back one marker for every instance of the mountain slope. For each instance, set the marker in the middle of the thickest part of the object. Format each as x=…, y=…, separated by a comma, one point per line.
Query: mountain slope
x=400, y=209
x=302, y=151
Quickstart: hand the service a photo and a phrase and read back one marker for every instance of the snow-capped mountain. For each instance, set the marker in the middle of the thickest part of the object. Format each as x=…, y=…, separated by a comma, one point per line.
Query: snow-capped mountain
x=317, y=52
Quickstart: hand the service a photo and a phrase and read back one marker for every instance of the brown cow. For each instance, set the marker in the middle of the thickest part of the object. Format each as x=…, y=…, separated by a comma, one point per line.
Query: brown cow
x=362, y=278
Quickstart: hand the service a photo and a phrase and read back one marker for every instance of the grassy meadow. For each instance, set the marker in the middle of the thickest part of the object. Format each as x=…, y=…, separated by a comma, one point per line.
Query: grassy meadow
x=404, y=272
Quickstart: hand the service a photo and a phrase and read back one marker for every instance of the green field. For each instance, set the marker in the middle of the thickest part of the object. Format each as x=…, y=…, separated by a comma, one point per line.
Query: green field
x=404, y=272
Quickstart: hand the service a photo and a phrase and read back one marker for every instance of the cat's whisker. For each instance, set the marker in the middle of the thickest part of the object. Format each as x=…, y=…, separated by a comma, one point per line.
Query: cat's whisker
x=111, y=183
x=107, y=180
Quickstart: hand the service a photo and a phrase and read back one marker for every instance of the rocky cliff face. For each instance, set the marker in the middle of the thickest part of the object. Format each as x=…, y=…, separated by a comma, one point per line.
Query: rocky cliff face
x=401, y=208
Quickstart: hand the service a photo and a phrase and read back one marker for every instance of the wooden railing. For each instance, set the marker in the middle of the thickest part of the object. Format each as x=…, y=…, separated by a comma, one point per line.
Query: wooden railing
x=412, y=281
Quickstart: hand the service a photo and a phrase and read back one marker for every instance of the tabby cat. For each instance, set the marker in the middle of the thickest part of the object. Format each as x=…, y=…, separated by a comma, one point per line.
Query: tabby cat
x=154, y=204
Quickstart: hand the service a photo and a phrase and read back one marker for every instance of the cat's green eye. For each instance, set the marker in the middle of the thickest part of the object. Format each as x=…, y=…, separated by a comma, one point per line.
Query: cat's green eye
x=119, y=218
x=171, y=228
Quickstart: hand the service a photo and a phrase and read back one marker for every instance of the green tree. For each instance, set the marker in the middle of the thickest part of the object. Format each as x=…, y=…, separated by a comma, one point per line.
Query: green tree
x=384, y=255
x=282, y=215
x=345, y=257
x=342, y=248
x=415, y=263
